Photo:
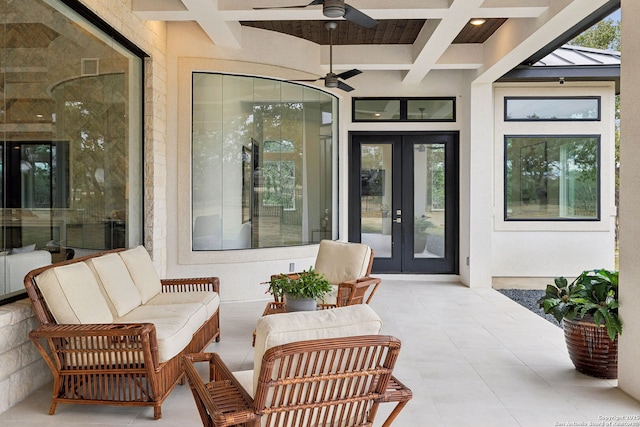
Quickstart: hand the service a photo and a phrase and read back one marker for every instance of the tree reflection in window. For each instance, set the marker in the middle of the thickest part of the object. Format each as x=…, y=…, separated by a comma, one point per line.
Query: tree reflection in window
x=552, y=177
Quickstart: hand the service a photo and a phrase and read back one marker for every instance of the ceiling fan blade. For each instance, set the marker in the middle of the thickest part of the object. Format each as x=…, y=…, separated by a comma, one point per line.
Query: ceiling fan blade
x=354, y=15
x=348, y=74
x=342, y=85
x=301, y=6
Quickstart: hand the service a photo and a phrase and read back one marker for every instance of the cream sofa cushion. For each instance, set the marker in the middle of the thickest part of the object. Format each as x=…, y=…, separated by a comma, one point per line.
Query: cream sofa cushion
x=175, y=325
x=210, y=300
x=73, y=295
x=114, y=277
x=278, y=329
x=142, y=272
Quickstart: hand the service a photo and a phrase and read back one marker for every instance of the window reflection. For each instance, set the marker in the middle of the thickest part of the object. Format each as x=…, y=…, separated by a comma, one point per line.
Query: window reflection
x=553, y=177
x=262, y=163
x=70, y=139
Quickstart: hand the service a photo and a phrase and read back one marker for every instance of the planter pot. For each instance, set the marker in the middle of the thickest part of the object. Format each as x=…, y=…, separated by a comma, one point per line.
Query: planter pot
x=419, y=242
x=590, y=348
x=300, y=304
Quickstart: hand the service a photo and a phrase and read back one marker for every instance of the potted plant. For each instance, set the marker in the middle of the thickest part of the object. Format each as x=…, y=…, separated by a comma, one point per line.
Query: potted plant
x=420, y=226
x=300, y=290
x=588, y=309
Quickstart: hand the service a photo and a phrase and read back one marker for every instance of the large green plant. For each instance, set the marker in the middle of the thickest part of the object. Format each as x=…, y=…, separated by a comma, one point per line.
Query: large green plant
x=307, y=284
x=593, y=293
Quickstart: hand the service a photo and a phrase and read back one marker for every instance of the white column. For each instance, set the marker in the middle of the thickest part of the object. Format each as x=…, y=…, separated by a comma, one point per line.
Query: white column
x=629, y=350
x=477, y=218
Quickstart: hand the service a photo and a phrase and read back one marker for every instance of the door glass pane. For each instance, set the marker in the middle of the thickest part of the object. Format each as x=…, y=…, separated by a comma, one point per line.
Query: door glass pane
x=429, y=206
x=375, y=193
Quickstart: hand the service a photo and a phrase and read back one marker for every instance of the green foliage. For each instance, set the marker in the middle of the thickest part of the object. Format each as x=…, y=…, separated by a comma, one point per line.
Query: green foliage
x=594, y=293
x=308, y=284
x=421, y=223
x=604, y=35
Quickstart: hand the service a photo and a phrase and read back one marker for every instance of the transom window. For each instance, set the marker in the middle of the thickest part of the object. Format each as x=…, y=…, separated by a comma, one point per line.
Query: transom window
x=404, y=109
x=584, y=108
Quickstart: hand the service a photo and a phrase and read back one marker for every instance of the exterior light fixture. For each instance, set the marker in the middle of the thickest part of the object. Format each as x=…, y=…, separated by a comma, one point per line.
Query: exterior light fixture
x=477, y=21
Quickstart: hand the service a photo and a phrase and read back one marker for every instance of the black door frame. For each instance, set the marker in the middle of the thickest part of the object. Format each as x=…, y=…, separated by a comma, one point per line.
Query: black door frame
x=402, y=260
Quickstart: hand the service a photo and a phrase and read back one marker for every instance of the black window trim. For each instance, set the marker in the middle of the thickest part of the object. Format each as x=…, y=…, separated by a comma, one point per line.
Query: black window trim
x=403, y=108
x=598, y=216
x=533, y=98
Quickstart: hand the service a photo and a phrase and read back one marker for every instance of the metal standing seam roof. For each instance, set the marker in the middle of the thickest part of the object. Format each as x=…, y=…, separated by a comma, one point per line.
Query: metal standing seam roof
x=568, y=55
x=570, y=63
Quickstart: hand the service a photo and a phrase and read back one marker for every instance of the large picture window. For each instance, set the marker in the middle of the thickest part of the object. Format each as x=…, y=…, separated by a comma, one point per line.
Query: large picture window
x=552, y=177
x=70, y=139
x=262, y=156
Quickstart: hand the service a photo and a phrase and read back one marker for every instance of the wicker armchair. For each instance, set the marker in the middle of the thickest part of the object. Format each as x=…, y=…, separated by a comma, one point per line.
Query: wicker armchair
x=324, y=382
x=347, y=266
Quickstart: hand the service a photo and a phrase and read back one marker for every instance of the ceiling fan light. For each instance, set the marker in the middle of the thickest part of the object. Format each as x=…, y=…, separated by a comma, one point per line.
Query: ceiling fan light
x=331, y=80
x=333, y=8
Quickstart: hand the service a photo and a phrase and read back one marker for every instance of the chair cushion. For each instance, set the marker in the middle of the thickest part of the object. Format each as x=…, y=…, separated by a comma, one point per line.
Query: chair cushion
x=342, y=261
x=278, y=329
x=210, y=300
x=116, y=282
x=142, y=272
x=245, y=378
x=175, y=325
x=73, y=295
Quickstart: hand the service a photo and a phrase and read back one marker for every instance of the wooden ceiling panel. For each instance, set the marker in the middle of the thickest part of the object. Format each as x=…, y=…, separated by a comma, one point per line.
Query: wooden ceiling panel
x=392, y=31
x=479, y=33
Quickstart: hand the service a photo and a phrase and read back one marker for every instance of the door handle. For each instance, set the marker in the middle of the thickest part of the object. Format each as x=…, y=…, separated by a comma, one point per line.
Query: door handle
x=397, y=220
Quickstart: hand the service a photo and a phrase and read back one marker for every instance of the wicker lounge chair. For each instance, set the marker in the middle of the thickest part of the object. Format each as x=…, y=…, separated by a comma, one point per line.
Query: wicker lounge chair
x=338, y=378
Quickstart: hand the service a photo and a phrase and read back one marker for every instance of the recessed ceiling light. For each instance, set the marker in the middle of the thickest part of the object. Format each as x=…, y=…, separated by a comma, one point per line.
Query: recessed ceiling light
x=477, y=21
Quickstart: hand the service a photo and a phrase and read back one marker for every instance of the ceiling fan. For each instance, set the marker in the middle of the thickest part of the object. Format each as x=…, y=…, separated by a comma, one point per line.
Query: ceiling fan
x=335, y=9
x=332, y=79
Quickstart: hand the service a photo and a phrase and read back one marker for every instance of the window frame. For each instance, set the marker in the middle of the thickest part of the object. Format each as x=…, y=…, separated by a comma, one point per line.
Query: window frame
x=598, y=216
x=404, y=101
x=506, y=117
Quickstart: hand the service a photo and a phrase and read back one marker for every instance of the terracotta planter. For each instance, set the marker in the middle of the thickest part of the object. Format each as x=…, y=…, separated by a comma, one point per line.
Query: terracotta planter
x=590, y=348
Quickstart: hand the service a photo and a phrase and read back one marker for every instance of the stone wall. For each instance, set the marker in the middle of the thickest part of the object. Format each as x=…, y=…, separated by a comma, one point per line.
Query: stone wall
x=22, y=369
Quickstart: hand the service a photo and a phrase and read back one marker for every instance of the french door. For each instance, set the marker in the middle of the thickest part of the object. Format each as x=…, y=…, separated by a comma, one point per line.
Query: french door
x=403, y=200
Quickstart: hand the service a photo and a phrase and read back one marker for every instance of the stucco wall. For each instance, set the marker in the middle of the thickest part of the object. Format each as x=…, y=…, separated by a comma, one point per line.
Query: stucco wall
x=629, y=350
x=554, y=248
x=189, y=49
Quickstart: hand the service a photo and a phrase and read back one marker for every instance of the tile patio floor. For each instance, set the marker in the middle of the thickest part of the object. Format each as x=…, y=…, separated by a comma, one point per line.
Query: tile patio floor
x=472, y=357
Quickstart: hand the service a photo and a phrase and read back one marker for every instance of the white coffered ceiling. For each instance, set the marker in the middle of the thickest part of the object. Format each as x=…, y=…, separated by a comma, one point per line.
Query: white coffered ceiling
x=445, y=41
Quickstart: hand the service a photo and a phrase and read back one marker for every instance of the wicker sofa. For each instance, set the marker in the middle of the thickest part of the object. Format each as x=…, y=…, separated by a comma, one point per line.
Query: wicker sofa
x=113, y=333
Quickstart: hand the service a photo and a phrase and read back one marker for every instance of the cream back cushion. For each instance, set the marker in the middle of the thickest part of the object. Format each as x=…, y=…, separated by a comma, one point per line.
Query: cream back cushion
x=342, y=261
x=114, y=277
x=73, y=295
x=278, y=329
x=142, y=272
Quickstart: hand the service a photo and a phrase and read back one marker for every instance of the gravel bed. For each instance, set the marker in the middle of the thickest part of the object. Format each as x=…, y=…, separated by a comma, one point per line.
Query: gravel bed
x=529, y=299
